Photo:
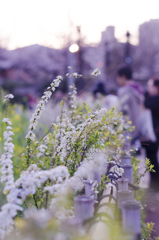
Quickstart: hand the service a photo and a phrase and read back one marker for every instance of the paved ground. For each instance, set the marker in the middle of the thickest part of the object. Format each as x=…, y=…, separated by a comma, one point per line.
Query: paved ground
x=152, y=210
x=151, y=200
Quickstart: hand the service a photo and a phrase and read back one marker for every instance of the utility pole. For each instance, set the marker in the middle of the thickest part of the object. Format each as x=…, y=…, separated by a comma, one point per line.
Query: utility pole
x=80, y=83
x=70, y=80
x=128, y=59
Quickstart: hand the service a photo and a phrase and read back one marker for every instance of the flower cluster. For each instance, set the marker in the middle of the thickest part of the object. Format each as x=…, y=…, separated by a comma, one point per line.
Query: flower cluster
x=8, y=97
x=75, y=75
x=76, y=131
x=29, y=181
x=72, y=101
x=8, y=212
x=86, y=170
x=40, y=107
x=118, y=170
x=78, y=149
x=6, y=158
x=41, y=150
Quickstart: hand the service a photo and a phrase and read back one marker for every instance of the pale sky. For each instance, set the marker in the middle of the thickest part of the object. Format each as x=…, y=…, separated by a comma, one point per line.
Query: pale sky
x=44, y=22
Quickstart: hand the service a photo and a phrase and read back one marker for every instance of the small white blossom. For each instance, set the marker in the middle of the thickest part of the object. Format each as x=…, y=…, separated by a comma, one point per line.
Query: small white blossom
x=6, y=120
x=6, y=158
x=96, y=72
x=60, y=77
x=41, y=150
x=40, y=107
x=7, y=97
x=75, y=75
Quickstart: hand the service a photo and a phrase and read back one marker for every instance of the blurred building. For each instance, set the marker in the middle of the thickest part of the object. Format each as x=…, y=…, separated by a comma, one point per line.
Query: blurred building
x=147, y=55
x=31, y=69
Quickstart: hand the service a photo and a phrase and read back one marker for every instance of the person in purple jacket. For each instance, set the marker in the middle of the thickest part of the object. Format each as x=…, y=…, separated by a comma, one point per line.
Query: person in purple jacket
x=131, y=97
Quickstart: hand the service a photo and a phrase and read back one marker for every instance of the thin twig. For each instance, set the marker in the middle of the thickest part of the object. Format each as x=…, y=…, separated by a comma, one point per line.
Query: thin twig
x=46, y=201
x=35, y=201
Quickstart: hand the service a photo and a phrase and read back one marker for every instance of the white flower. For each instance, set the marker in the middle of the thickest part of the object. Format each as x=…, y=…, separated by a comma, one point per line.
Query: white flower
x=7, y=97
x=6, y=159
x=96, y=72
x=60, y=77
x=32, y=167
x=56, y=84
x=11, y=209
x=75, y=75
x=121, y=171
x=118, y=170
x=41, y=150
x=30, y=135
x=40, y=107
x=9, y=128
x=6, y=120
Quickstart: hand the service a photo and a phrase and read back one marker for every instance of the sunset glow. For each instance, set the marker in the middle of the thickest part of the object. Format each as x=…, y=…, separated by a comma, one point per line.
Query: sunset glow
x=49, y=22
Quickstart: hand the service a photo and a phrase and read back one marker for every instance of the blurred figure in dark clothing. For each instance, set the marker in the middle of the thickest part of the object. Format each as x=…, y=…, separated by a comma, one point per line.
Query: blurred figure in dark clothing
x=131, y=104
x=152, y=103
x=99, y=88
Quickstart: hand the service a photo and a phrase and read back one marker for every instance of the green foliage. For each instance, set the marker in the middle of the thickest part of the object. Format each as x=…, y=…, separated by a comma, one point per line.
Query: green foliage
x=148, y=167
x=86, y=130
x=19, y=121
x=101, y=187
x=73, y=138
x=147, y=230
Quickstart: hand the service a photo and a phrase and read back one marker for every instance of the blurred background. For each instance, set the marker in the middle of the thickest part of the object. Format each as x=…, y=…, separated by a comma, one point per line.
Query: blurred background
x=40, y=39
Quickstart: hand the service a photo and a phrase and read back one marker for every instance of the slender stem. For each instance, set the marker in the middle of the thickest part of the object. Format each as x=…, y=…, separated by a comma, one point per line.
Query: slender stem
x=45, y=135
x=69, y=153
x=35, y=201
x=53, y=162
x=46, y=201
x=28, y=155
x=6, y=111
x=86, y=149
x=25, y=204
x=59, y=142
x=142, y=175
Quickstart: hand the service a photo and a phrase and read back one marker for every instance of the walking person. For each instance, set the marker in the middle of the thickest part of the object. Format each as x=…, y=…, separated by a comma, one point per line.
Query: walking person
x=152, y=103
x=130, y=96
x=132, y=102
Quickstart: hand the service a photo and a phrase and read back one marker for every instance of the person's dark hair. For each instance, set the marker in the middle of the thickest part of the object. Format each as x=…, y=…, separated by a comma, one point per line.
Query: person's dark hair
x=156, y=83
x=99, y=88
x=125, y=71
